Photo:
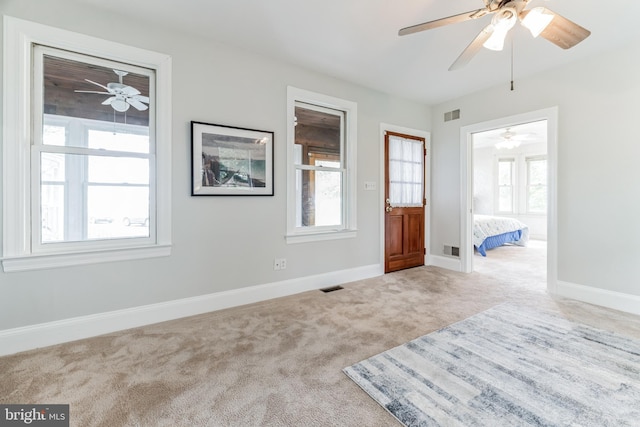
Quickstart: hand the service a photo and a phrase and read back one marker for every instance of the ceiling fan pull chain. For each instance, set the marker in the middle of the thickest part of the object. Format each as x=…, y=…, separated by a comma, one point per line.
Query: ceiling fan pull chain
x=512, y=42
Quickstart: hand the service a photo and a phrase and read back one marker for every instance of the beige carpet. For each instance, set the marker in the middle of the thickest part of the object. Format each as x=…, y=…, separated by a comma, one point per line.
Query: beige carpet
x=277, y=363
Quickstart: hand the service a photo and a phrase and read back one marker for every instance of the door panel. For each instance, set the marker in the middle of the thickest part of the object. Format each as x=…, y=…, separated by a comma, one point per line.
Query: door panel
x=395, y=225
x=404, y=195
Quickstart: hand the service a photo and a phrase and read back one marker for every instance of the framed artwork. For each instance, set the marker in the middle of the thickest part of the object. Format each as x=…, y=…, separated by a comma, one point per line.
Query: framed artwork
x=230, y=161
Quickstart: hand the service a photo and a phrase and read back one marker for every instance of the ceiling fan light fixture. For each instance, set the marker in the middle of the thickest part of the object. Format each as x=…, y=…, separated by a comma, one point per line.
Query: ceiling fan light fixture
x=120, y=105
x=502, y=22
x=536, y=20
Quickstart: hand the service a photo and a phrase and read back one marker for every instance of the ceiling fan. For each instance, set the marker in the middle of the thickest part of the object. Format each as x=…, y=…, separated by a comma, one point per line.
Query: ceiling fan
x=510, y=139
x=122, y=96
x=539, y=20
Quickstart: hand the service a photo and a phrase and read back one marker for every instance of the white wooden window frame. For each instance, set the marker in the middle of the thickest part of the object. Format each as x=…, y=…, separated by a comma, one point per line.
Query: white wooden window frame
x=527, y=161
x=514, y=184
x=18, y=252
x=348, y=229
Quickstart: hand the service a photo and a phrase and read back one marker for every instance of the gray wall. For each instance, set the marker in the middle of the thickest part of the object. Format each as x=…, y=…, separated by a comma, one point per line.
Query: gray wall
x=218, y=243
x=598, y=174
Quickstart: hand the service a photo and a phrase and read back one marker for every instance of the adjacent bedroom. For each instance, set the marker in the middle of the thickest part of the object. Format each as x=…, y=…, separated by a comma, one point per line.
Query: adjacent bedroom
x=510, y=199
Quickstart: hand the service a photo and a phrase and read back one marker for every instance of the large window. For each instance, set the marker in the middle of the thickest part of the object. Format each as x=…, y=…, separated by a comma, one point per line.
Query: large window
x=321, y=153
x=94, y=160
x=86, y=170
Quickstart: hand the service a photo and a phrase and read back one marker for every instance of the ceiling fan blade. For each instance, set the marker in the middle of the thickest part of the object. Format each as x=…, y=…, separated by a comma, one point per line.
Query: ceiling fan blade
x=137, y=104
x=92, y=91
x=141, y=98
x=98, y=84
x=474, y=14
x=473, y=48
x=563, y=32
x=130, y=91
x=108, y=101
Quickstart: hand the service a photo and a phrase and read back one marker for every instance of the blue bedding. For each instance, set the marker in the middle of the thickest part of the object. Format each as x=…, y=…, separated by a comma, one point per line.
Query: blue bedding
x=499, y=240
x=492, y=231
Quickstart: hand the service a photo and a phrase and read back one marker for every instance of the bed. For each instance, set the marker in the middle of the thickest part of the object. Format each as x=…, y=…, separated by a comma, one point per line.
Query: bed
x=493, y=231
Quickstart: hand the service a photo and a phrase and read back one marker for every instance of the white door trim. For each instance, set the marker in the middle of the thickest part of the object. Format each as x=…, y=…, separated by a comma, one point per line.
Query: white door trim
x=466, y=186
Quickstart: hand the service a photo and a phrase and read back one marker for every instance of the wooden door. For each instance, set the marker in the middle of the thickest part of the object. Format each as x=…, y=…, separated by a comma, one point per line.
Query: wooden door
x=404, y=201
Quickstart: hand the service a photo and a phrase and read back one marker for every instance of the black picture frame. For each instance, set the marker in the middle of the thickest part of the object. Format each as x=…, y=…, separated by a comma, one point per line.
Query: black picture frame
x=231, y=161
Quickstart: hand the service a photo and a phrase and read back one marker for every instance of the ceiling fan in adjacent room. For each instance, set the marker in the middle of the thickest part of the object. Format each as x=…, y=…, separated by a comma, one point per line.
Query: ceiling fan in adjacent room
x=539, y=20
x=121, y=96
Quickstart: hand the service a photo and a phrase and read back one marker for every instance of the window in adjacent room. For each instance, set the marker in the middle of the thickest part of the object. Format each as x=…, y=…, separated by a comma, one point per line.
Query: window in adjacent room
x=536, y=184
x=91, y=160
x=321, y=152
x=506, y=185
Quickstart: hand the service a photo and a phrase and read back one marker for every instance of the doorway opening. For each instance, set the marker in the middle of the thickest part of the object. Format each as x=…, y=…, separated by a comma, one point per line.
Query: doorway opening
x=510, y=200
x=508, y=205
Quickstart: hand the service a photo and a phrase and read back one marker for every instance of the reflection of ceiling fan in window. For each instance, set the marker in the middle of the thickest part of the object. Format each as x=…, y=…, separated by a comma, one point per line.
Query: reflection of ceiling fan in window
x=539, y=20
x=122, y=96
x=510, y=139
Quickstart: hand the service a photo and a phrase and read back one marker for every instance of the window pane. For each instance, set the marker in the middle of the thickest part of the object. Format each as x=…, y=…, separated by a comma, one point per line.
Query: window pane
x=109, y=96
x=317, y=132
x=537, y=199
x=119, y=140
x=505, y=201
x=319, y=198
x=93, y=197
x=52, y=212
x=405, y=171
x=53, y=135
x=537, y=185
x=103, y=169
x=118, y=212
x=505, y=169
x=537, y=172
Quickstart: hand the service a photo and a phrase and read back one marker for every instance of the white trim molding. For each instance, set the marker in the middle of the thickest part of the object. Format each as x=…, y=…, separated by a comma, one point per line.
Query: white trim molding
x=45, y=334
x=449, y=263
x=466, y=186
x=596, y=296
x=18, y=251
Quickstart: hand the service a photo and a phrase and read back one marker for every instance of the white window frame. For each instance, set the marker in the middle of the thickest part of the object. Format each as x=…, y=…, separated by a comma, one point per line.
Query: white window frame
x=514, y=184
x=18, y=252
x=528, y=185
x=348, y=229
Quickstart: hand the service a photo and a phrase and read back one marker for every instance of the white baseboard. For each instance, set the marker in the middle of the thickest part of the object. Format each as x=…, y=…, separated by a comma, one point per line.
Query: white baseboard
x=611, y=299
x=57, y=332
x=450, y=263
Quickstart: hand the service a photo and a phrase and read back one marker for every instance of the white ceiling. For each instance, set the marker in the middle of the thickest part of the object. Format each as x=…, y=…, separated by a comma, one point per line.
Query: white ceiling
x=357, y=40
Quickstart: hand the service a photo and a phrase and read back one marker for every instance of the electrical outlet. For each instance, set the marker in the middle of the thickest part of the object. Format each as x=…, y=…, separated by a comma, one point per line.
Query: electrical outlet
x=279, y=263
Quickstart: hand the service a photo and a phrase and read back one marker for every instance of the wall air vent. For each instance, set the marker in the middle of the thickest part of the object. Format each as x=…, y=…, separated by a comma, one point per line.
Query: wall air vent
x=451, y=250
x=452, y=115
x=331, y=289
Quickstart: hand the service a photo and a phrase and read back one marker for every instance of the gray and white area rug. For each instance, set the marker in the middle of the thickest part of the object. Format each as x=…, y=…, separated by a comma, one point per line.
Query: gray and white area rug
x=508, y=366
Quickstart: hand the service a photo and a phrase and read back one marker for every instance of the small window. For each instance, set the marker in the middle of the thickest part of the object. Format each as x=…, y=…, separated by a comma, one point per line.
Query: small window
x=406, y=168
x=321, y=190
x=87, y=171
x=537, y=184
x=506, y=185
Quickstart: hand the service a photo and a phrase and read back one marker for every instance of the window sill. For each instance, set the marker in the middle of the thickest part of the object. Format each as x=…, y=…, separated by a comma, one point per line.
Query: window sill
x=320, y=236
x=41, y=262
